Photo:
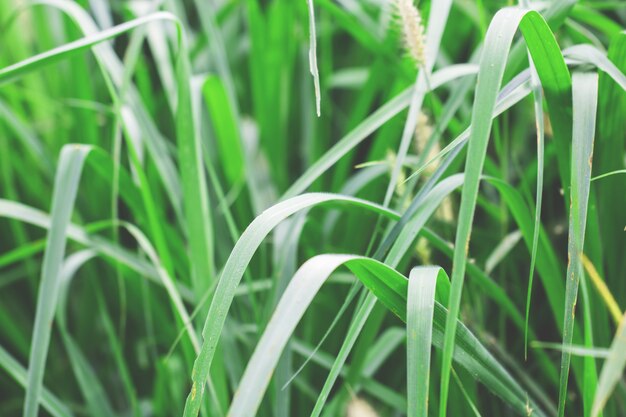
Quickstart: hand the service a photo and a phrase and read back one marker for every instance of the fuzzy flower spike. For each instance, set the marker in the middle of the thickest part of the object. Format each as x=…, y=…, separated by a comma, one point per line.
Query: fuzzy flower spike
x=410, y=22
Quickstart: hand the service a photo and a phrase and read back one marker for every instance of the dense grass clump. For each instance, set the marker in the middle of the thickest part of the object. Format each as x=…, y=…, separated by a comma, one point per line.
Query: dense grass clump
x=278, y=208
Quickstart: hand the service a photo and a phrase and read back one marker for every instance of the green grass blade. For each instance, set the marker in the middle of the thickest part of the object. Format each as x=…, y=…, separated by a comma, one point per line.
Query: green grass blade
x=612, y=370
x=65, y=189
x=511, y=94
x=233, y=272
x=539, y=118
x=369, y=125
x=419, y=326
x=196, y=203
x=546, y=56
x=164, y=93
x=166, y=281
x=590, y=54
x=391, y=289
x=300, y=292
x=590, y=381
x=225, y=127
x=135, y=116
x=411, y=222
x=62, y=52
x=313, y=58
x=585, y=101
x=497, y=43
x=80, y=235
x=51, y=403
x=411, y=228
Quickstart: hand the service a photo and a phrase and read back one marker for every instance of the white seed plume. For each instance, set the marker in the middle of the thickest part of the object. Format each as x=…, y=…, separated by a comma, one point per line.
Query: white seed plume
x=412, y=30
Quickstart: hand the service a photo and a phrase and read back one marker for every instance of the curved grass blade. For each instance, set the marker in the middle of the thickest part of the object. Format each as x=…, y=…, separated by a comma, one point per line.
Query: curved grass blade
x=609, y=174
x=167, y=282
x=391, y=289
x=225, y=127
x=539, y=123
x=546, y=56
x=196, y=204
x=411, y=222
x=295, y=300
x=592, y=55
x=576, y=350
x=369, y=125
x=64, y=51
x=419, y=325
x=51, y=403
x=91, y=387
x=410, y=228
x=409, y=225
x=136, y=120
x=65, y=188
x=511, y=94
x=80, y=235
x=195, y=195
x=407, y=230
x=233, y=271
x=313, y=58
x=585, y=101
x=612, y=370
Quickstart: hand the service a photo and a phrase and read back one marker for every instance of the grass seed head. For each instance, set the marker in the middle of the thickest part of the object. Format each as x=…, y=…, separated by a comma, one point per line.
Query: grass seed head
x=413, y=32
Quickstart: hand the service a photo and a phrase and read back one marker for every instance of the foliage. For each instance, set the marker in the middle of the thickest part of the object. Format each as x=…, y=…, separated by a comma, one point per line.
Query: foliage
x=278, y=207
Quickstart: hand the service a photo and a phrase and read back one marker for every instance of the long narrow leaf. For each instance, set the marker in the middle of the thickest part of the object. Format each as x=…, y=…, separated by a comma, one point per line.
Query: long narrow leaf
x=419, y=325
x=612, y=370
x=391, y=289
x=65, y=188
x=585, y=105
x=546, y=56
